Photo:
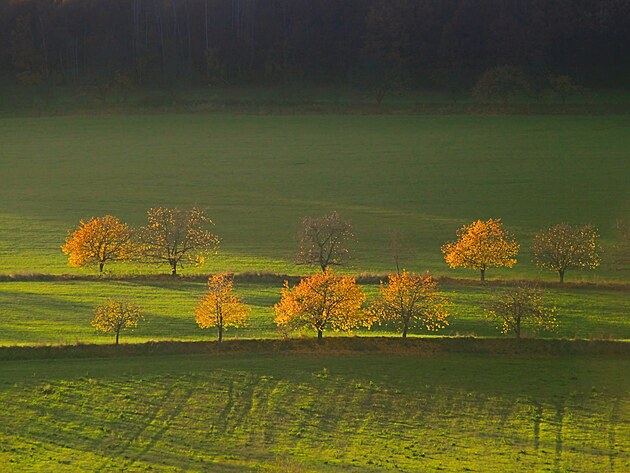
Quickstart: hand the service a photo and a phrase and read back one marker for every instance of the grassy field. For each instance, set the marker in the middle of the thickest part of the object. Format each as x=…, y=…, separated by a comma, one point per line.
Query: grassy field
x=60, y=312
x=259, y=175
x=306, y=413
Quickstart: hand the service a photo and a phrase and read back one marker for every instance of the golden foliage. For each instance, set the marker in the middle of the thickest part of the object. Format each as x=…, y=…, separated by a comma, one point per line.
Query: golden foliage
x=522, y=305
x=114, y=316
x=563, y=246
x=409, y=300
x=481, y=245
x=323, y=301
x=177, y=237
x=220, y=307
x=97, y=241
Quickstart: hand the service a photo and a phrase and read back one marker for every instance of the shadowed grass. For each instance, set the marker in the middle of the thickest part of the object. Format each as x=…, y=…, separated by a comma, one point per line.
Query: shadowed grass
x=309, y=413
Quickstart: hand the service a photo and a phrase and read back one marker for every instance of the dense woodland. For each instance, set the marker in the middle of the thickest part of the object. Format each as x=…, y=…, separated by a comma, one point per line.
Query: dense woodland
x=422, y=43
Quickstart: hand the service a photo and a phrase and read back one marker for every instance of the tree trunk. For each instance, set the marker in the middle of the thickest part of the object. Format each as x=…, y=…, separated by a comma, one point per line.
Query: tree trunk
x=174, y=268
x=517, y=330
x=561, y=273
x=483, y=274
x=220, y=329
x=320, y=336
x=117, y=336
x=100, y=266
x=404, y=334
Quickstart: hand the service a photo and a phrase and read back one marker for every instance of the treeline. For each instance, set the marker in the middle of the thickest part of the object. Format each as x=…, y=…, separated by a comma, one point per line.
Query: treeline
x=178, y=238
x=420, y=43
x=326, y=301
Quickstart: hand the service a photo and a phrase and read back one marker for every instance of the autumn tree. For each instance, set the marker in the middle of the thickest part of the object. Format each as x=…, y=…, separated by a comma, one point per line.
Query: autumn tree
x=563, y=247
x=220, y=307
x=411, y=301
x=519, y=306
x=482, y=245
x=115, y=316
x=177, y=237
x=322, y=301
x=324, y=240
x=98, y=241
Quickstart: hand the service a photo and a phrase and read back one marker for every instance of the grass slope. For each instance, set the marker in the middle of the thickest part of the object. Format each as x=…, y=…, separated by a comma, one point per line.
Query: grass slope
x=60, y=312
x=258, y=175
x=304, y=413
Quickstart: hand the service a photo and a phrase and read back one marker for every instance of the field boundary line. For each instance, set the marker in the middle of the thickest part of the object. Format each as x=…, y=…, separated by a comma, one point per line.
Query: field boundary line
x=419, y=346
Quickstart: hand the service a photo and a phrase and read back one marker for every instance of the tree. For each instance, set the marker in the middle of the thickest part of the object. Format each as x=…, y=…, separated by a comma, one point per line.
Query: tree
x=409, y=301
x=98, y=241
x=482, y=245
x=521, y=305
x=500, y=83
x=220, y=307
x=324, y=240
x=563, y=246
x=114, y=316
x=176, y=237
x=322, y=301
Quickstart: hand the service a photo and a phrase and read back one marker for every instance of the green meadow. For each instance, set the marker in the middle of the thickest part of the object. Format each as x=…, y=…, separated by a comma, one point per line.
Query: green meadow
x=61, y=312
x=316, y=413
x=258, y=176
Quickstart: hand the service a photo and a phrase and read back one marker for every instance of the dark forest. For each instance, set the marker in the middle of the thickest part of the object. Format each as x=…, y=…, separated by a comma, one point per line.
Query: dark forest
x=421, y=43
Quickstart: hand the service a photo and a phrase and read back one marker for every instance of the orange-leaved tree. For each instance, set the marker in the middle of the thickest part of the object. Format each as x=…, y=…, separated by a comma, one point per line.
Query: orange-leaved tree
x=115, y=316
x=411, y=301
x=563, y=246
x=98, y=241
x=176, y=237
x=321, y=301
x=220, y=307
x=482, y=245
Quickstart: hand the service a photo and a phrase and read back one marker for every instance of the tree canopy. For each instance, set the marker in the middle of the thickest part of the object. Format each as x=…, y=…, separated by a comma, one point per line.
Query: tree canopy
x=411, y=301
x=563, y=247
x=322, y=301
x=98, y=241
x=220, y=307
x=221, y=42
x=482, y=245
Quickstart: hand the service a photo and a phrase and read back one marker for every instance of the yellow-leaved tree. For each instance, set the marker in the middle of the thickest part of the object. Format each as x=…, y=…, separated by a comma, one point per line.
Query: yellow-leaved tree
x=98, y=241
x=115, y=316
x=220, y=307
x=323, y=301
x=563, y=246
x=177, y=237
x=482, y=245
x=411, y=301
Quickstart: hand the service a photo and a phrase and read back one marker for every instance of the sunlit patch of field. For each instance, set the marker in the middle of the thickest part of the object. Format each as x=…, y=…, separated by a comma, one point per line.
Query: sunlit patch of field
x=61, y=311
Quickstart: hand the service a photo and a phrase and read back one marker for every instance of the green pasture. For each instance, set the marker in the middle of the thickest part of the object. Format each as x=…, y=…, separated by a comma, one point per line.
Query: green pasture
x=259, y=175
x=61, y=312
x=300, y=413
